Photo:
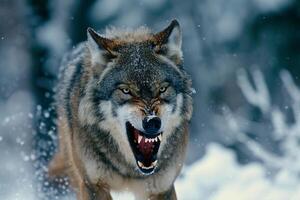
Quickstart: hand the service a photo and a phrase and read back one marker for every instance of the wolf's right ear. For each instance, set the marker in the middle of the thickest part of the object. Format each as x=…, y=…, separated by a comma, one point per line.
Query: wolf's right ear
x=100, y=46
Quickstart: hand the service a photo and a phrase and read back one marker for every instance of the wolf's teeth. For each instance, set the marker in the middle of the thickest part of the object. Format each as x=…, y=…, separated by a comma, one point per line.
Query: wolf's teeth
x=155, y=139
x=154, y=163
x=140, y=138
x=150, y=167
x=159, y=137
x=146, y=140
x=140, y=164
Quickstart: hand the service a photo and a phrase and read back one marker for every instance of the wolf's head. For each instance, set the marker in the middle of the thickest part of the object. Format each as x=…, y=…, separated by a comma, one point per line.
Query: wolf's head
x=140, y=90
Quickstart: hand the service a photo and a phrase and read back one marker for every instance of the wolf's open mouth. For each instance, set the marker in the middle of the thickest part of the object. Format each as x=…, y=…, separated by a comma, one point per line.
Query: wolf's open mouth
x=144, y=148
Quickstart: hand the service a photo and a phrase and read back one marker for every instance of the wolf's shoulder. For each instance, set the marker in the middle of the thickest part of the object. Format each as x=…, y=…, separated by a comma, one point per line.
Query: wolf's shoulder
x=69, y=71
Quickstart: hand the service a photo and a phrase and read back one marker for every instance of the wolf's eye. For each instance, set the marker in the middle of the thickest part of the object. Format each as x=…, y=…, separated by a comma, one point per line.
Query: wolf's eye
x=125, y=90
x=162, y=89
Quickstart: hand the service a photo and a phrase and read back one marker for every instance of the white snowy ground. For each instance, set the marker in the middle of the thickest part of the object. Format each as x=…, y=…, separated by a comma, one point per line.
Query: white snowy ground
x=218, y=176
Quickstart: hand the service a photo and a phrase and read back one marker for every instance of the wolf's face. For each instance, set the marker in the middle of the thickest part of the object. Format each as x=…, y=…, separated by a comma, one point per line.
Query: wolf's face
x=143, y=95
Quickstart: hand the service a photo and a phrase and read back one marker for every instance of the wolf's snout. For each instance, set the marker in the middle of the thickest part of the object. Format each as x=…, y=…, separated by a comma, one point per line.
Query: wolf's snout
x=151, y=124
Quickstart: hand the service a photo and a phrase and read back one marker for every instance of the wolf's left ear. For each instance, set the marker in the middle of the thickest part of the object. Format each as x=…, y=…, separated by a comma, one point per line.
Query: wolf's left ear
x=168, y=42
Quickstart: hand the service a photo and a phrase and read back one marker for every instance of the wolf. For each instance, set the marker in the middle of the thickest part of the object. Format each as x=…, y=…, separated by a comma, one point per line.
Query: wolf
x=124, y=102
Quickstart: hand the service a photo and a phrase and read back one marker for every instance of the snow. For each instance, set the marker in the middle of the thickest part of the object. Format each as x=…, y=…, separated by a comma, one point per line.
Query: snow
x=286, y=134
x=218, y=176
x=15, y=135
x=259, y=114
x=258, y=96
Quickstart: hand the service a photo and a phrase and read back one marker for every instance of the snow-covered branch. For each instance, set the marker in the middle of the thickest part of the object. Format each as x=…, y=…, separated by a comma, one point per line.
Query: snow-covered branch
x=257, y=95
x=286, y=133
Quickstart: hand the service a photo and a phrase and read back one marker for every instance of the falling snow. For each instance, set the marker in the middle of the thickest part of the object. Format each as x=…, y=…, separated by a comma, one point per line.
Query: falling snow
x=244, y=61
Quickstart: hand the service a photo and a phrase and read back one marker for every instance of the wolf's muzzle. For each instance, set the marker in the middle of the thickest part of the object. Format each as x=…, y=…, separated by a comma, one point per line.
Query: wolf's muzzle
x=151, y=125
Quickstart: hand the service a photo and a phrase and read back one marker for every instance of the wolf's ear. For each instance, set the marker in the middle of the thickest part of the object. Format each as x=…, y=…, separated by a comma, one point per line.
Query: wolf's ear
x=100, y=47
x=168, y=42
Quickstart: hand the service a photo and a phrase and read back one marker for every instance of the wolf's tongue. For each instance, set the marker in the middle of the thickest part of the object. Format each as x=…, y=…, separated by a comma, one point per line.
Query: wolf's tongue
x=145, y=148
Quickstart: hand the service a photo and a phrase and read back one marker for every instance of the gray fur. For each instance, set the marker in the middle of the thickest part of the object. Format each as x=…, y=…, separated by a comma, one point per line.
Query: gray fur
x=89, y=72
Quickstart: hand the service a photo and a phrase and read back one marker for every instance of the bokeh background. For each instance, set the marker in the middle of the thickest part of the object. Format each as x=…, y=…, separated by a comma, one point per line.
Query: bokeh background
x=244, y=58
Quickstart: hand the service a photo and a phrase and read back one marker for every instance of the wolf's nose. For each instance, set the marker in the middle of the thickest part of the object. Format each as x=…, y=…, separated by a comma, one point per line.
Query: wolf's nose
x=151, y=124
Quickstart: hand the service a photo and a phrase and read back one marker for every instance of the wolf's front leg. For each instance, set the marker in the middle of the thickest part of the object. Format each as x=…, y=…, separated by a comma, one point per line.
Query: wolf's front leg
x=100, y=191
x=167, y=195
x=103, y=195
x=86, y=192
x=82, y=190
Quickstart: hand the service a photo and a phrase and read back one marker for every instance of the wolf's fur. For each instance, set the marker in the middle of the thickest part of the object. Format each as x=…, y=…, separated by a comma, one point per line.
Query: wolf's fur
x=94, y=150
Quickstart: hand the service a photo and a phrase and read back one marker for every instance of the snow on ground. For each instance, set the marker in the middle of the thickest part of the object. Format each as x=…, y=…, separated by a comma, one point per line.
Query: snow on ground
x=218, y=176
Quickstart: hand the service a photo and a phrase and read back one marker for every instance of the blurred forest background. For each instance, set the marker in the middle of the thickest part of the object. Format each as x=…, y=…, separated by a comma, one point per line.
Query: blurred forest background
x=244, y=58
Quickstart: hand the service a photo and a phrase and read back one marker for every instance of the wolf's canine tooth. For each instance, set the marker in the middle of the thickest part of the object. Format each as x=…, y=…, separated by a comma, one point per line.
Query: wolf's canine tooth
x=140, y=138
x=159, y=137
x=154, y=163
x=140, y=164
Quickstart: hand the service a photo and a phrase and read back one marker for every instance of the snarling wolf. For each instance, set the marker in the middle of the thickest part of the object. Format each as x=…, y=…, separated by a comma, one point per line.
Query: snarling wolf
x=123, y=103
